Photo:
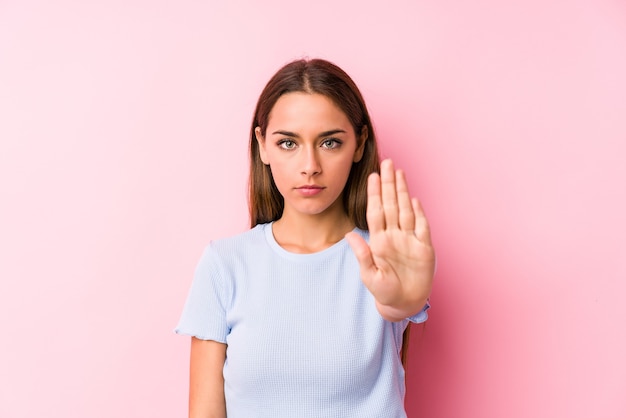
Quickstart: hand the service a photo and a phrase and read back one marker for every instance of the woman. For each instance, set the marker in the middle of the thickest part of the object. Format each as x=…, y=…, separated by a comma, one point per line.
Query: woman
x=303, y=315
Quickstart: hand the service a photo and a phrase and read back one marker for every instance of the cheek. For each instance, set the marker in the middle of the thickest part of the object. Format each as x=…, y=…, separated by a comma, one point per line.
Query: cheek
x=341, y=174
x=346, y=167
x=277, y=165
x=279, y=173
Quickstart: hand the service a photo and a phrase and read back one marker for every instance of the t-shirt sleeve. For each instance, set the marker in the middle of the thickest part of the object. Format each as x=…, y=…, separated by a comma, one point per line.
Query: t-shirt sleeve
x=204, y=313
x=422, y=315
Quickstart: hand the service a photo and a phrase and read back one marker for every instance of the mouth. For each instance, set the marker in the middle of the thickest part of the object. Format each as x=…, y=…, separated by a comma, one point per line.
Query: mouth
x=309, y=189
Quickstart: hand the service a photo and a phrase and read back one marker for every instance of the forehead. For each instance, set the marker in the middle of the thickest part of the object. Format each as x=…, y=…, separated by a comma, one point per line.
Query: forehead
x=308, y=110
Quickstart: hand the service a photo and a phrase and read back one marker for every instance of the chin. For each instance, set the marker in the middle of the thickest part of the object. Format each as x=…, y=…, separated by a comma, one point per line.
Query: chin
x=310, y=210
x=313, y=206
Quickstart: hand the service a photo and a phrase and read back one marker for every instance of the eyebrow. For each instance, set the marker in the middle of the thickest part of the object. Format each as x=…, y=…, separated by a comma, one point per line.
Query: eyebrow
x=322, y=134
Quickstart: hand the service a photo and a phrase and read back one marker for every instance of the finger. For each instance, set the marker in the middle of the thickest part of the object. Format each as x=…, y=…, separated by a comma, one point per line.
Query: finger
x=406, y=213
x=375, y=214
x=422, y=229
x=388, y=192
x=363, y=255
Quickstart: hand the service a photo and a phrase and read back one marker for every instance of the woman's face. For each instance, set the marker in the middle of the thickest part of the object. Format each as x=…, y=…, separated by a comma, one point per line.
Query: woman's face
x=310, y=146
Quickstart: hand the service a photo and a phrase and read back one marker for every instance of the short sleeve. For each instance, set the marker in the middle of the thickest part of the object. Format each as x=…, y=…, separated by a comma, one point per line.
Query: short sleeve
x=204, y=313
x=422, y=315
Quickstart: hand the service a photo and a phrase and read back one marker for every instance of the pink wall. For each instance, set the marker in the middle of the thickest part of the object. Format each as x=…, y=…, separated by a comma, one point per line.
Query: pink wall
x=123, y=131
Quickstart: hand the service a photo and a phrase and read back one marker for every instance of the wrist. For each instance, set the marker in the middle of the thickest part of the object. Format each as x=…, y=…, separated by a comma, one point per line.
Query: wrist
x=393, y=313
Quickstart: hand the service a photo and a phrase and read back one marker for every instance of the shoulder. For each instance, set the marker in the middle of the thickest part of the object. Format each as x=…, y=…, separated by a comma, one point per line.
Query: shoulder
x=243, y=243
x=251, y=237
x=232, y=256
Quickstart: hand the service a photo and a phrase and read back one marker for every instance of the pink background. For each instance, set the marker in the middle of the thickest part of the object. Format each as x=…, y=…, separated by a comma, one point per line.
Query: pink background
x=123, y=129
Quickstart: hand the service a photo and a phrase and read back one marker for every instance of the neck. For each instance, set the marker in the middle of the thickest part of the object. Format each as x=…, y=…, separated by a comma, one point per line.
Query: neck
x=311, y=233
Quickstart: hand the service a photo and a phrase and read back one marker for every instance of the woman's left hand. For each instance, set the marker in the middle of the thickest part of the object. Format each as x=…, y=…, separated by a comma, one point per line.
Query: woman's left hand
x=398, y=264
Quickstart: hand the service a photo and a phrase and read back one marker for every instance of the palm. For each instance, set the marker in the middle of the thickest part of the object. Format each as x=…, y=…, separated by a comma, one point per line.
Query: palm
x=398, y=264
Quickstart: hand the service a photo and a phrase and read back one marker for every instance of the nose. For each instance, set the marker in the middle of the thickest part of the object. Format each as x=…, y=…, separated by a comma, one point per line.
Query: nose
x=311, y=164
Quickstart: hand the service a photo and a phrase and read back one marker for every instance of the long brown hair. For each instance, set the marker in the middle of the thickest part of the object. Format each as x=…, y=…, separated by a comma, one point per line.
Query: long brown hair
x=321, y=77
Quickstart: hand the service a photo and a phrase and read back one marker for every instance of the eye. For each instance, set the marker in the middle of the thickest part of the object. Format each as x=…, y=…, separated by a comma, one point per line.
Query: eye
x=331, y=143
x=286, y=144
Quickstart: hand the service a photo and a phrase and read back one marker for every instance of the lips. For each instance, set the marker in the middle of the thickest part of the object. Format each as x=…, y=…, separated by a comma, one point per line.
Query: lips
x=309, y=189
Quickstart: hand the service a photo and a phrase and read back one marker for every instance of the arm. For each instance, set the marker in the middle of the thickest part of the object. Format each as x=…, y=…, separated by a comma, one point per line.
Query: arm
x=398, y=264
x=206, y=379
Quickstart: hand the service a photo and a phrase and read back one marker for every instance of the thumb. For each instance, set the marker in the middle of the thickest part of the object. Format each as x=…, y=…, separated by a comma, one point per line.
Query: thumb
x=363, y=254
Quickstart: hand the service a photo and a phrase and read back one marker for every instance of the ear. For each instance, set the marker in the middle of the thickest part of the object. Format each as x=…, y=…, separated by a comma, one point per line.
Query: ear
x=358, y=153
x=261, y=141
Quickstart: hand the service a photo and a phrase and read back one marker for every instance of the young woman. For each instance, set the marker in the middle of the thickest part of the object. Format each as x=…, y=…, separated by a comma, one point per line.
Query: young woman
x=303, y=315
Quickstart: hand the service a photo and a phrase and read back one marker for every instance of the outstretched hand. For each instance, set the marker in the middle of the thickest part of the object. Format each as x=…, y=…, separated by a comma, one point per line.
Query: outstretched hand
x=398, y=264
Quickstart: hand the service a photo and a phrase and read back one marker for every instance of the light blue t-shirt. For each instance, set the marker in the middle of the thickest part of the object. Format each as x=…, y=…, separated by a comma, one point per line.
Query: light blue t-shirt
x=304, y=338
